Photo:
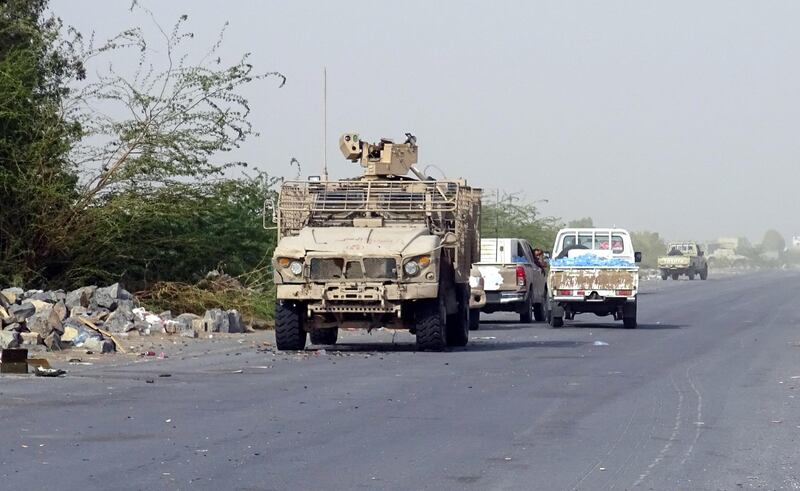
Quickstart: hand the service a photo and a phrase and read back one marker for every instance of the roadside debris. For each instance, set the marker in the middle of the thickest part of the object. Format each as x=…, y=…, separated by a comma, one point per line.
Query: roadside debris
x=600, y=343
x=49, y=372
x=13, y=361
x=97, y=318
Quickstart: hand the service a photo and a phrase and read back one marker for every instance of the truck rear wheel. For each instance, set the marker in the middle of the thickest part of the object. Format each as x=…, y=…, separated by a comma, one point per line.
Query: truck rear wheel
x=289, y=333
x=551, y=319
x=458, y=323
x=538, y=312
x=324, y=336
x=664, y=275
x=690, y=275
x=474, y=319
x=526, y=312
x=704, y=274
x=431, y=325
x=629, y=316
x=675, y=276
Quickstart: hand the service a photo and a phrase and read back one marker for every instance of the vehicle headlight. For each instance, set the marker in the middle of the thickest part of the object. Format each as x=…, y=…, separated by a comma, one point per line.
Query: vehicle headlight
x=411, y=268
x=296, y=267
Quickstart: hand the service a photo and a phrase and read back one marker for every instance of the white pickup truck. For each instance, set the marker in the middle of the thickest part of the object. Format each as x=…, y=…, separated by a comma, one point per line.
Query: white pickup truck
x=512, y=280
x=593, y=270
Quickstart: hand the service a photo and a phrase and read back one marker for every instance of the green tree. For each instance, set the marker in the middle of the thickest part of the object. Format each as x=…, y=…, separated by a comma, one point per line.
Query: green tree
x=773, y=241
x=513, y=217
x=651, y=245
x=585, y=222
x=36, y=180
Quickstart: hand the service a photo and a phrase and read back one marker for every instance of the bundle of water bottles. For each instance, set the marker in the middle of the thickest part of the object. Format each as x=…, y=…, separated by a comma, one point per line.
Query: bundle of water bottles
x=591, y=260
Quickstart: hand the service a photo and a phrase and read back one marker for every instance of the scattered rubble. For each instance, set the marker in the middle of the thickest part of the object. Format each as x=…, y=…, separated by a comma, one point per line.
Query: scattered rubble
x=93, y=317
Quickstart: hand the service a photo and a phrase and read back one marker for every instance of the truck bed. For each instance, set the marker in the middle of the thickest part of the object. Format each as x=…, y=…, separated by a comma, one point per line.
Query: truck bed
x=606, y=281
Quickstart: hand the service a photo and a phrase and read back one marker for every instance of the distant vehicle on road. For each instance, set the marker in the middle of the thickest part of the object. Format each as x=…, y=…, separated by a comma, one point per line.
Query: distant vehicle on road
x=593, y=270
x=514, y=279
x=683, y=258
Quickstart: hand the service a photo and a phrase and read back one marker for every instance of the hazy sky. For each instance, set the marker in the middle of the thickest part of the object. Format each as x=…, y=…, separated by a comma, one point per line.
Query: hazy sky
x=679, y=117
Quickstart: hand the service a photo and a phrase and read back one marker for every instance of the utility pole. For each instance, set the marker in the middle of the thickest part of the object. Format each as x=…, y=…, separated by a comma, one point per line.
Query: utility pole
x=496, y=224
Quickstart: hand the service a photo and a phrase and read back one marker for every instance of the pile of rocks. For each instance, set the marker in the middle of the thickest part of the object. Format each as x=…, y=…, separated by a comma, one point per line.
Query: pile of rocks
x=58, y=319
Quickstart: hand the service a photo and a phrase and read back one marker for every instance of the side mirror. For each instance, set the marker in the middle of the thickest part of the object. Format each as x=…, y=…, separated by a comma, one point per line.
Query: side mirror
x=637, y=256
x=269, y=210
x=546, y=254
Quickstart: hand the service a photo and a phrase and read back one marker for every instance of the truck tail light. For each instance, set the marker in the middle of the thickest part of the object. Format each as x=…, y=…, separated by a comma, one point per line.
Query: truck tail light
x=520, y=276
x=564, y=293
x=624, y=293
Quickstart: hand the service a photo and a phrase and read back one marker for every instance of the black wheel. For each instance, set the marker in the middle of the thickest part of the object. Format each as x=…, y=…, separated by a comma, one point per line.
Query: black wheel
x=664, y=276
x=431, y=325
x=675, y=276
x=552, y=320
x=324, y=336
x=539, y=312
x=458, y=323
x=690, y=275
x=289, y=333
x=704, y=274
x=474, y=319
x=629, y=316
x=526, y=312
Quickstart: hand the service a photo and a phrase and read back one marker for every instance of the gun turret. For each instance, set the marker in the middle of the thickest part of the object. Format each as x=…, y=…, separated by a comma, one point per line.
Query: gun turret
x=381, y=159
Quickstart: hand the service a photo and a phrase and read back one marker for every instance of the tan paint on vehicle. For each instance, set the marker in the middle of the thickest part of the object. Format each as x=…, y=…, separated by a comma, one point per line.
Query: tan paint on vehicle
x=381, y=215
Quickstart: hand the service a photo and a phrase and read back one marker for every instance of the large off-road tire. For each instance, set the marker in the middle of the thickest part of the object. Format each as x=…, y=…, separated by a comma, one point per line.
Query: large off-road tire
x=474, y=319
x=289, y=332
x=539, y=312
x=704, y=274
x=526, y=310
x=690, y=275
x=675, y=276
x=431, y=325
x=458, y=323
x=664, y=275
x=324, y=336
x=551, y=319
x=629, y=316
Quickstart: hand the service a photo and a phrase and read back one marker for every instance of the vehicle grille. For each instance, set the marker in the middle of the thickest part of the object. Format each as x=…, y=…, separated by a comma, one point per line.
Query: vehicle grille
x=327, y=268
x=381, y=268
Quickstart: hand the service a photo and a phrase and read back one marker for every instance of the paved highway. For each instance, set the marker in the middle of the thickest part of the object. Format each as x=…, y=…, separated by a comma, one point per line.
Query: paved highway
x=704, y=395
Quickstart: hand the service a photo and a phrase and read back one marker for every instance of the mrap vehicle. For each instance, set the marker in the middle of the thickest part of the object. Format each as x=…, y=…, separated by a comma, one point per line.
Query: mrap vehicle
x=380, y=250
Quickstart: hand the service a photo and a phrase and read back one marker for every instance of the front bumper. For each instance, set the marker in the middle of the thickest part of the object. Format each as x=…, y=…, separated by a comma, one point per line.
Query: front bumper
x=356, y=297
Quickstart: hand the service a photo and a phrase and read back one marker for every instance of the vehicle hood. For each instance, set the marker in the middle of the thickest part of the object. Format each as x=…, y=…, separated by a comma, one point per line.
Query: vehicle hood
x=357, y=241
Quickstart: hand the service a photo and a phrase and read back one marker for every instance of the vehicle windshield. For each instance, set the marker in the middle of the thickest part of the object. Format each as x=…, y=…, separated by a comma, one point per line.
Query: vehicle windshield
x=678, y=249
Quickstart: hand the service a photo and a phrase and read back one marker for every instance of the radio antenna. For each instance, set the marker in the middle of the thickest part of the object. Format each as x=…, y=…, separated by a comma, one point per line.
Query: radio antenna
x=324, y=123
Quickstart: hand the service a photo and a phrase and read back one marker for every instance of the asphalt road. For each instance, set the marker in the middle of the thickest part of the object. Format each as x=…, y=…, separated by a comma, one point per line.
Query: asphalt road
x=704, y=395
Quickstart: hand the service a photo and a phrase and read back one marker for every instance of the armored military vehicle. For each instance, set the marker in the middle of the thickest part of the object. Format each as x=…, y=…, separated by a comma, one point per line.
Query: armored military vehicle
x=380, y=250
